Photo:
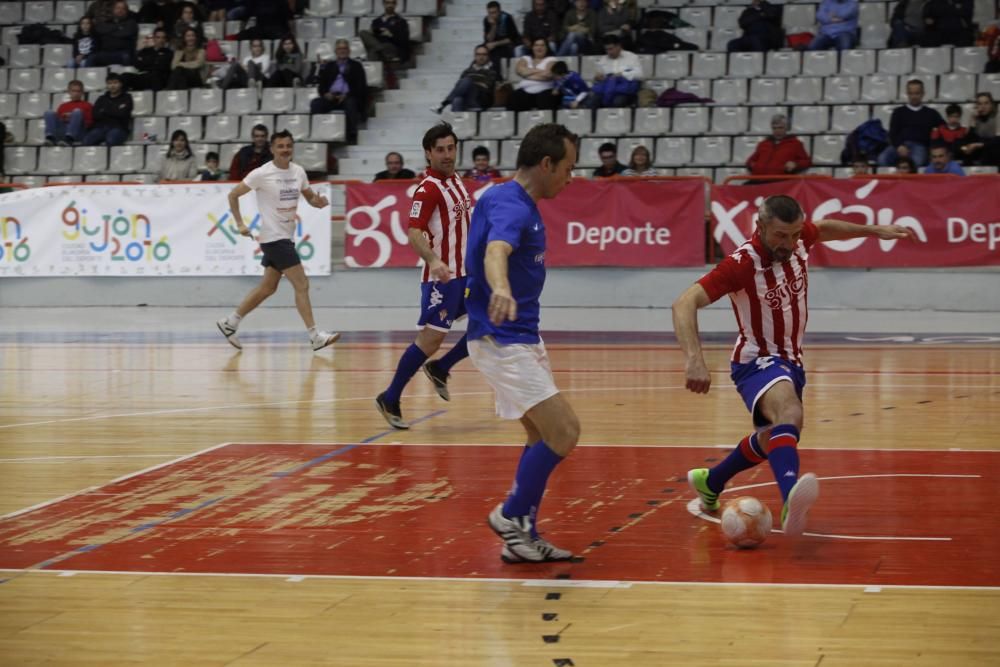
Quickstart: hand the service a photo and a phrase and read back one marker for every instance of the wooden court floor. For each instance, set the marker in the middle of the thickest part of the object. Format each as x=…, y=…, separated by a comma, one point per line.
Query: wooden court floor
x=167, y=500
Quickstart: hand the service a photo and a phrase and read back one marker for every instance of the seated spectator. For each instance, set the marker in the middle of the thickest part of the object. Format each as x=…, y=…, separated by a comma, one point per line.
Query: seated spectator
x=779, y=154
x=860, y=167
x=573, y=91
x=993, y=50
x=273, y=19
x=289, y=65
x=906, y=165
x=85, y=44
x=256, y=68
x=534, y=90
x=179, y=163
x=481, y=171
x=838, y=25
x=112, y=115
x=541, y=23
x=948, y=22
x=640, y=163
x=910, y=128
x=951, y=133
x=579, y=29
x=762, y=31
x=619, y=76
x=983, y=144
x=217, y=9
x=610, y=166
x=153, y=63
x=66, y=124
x=101, y=10
x=211, y=171
x=117, y=37
x=389, y=38
x=186, y=20
x=616, y=18
x=476, y=86
x=343, y=86
x=500, y=34
x=941, y=162
x=248, y=158
x=394, y=169
x=189, y=68
x=161, y=12
x=907, y=24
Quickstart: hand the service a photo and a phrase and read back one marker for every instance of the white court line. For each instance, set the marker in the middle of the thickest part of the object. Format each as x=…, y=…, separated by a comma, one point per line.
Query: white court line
x=35, y=459
x=565, y=583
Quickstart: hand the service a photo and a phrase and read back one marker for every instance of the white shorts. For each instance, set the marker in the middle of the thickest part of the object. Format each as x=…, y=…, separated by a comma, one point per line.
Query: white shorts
x=519, y=374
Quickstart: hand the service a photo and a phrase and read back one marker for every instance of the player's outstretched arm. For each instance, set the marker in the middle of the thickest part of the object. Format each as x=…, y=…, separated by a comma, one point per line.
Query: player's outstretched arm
x=840, y=230
x=438, y=270
x=502, y=305
x=234, y=207
x=685, y=313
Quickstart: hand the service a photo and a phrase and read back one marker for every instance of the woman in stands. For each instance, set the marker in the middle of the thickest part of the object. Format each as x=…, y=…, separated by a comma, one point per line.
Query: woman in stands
x=534, y=90
x=640, y=164
x=179, y=163
x=289, y=65
x=189, y=66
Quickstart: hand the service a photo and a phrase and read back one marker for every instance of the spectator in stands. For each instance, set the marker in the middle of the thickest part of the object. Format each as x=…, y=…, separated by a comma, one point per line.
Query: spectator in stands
x=619, y=75
x=112, y=115
x=179, y=163
x=951, y=133
x=534, y=90
x=189, y=68
x=217, y=9
x=992, y=40
x=161, y=12
x=290, y=67
x=499, y=34
x=610, y=166
x=343, y=86
x=838, y=25
x=389, y=38
x=907, y=24
x=779, y=154
x=983, y=146
x=910, y=128
x=254, y=71
x=211, y=171
x=948, y=22
x=117, y=37
x=860, y=167
x=273, y=19
x=906, y=165
x=476, y=86
x=187, y=20
x=248, y=158
x=153, y=63
x=579, y=29
x=481, y=170
x=67, y=124
x=640, y=163
x=394, y=169
x=85, y=43
x=941, y=162
x=617, y=18
x=762, y=31
x=101, y=10
x=541, y=23
x=572, y=90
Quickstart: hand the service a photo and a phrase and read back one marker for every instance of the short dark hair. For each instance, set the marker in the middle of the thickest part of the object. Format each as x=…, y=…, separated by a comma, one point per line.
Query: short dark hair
x=545, y=140
x=391, y=153
x=283, y=134
x=559, y=68
x=492, y=4
x=480, y=150
x=163, y=30
x=611, y=39
x=211, y=155
x=607, y=146
x=940, y=144
x=439, y=131
x=113, y=76
x=953, y=110
x=915, y=82
x=259, y=127
x=782, y=207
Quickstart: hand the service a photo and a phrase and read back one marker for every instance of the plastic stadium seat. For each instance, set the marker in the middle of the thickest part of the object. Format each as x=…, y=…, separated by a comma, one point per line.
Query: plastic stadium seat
x=38, y=12
x=29, y=181
x=311, y=156
x=54, y=159
x=528, y=119
x=356, y=7
x=841, y=89
x=310, y=28
x=819, y=63
x=934, y=60
x=508, y=153
x=341, y=28
x=730, y=120
x=767, y=91
x=826, y=148
x=375, y=74
x=703, y=172
x=589, y=155
x=858, y=62
x=33, y=105
x=708, y=65
x=846, y=117
x=699, y=87
x=142, y=102
x=154, y=157
x=871, y=12
x=727, y=16
x=128, y=158
x=883, y=112
x=247, y=123
x=613, y=122
x=969, y=59
x=26, y=55
x=743, y=148
x=241, y=101
x=697, y=16
x=90, y=159
x=690, y=120
x=93, y=78
x=956, y=87
x=651, y=120
x=20, y=159
x=205, y=101
x=496, y=124
x=171, y=102
x=277, y=100
x=799, y=17
x=673, y=151
x=34, y=131
x=578, y=121
x=588, y=68
x=628, y=144
x=297, y=124
x=810, y=119
x=103, y=177
x=149, y=128
x=895, y=61
x=327, y=127
x=11, y=12
x=874, y=35
x=711, y=150
x=56, y=55
x=8, y=105
x=464, y=123
x=990, y=83
x=324, y=8
x=746, y=64
x=697, y=36
x=879, y=88
x=190, y=124
x=760, y=118
x=783, y=63
x=729, y=91
x=673, y=65
x=26, y=80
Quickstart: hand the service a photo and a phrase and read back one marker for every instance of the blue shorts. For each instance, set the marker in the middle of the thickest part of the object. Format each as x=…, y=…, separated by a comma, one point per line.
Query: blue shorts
x=754, y=379
x=441, y=303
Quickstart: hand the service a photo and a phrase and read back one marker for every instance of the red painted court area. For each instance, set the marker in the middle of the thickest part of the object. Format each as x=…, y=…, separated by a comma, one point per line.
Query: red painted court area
x=884, y=517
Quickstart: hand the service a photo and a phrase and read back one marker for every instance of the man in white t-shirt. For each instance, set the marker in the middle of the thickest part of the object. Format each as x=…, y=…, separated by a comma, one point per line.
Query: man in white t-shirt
x=278, y=185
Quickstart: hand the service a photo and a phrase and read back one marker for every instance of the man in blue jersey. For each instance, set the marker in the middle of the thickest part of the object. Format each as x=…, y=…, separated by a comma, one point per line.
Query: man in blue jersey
x=505, y=265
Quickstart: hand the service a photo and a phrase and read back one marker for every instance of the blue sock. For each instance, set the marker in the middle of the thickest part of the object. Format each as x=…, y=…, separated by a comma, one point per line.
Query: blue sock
x=409, y=364
x=454, y=355
x=529, y=482
x=783, y=456
x=534, y=518
x=746, y=455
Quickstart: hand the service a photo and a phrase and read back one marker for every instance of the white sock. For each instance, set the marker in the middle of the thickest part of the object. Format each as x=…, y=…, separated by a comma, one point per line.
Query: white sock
x=312, y=331
x=234, y=319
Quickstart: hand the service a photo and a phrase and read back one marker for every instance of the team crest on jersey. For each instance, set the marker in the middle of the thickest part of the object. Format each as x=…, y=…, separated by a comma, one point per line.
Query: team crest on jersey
x=415, y=209
x=785, y=289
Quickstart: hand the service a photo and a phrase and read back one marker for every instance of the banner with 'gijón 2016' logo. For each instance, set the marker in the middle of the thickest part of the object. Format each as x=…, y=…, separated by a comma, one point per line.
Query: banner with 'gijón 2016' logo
x=144, y=230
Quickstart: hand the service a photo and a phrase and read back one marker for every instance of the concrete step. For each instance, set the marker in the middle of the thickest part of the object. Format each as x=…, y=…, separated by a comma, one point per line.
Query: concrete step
x=393, y=138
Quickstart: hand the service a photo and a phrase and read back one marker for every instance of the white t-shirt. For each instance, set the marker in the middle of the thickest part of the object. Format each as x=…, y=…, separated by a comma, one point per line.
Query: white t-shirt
x=278, y=192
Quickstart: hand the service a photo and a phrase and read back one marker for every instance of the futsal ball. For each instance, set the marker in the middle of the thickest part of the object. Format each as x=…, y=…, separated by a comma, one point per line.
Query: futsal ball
x=746, y=522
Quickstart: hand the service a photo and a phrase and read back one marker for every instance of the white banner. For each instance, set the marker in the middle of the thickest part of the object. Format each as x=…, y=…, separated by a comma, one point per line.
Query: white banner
x=144, y=230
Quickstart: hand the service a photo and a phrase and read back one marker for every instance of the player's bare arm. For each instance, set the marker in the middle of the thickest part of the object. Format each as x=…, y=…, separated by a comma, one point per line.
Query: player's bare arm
x=685, y=314
x=437, y=269
x=315, y=200
x=840, y=230
x=502, y=304
x=234, y=207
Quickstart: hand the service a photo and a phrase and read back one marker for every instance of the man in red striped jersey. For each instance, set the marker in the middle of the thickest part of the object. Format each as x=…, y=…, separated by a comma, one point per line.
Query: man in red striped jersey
x=766, y=281
x=439, y=227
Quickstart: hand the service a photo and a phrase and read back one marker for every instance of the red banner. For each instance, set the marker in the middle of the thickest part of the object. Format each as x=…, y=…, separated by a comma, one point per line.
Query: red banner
x=591, y=223
x=957, y=221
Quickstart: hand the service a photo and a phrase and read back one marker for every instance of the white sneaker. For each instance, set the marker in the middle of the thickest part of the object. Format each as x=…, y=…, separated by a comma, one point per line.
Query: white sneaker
x=229, y=332
x=800, y=499
x=516, y=535
x=323, y=338
x=549, y=551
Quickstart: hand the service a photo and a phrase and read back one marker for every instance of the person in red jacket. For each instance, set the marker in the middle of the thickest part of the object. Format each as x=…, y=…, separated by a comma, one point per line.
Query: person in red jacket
x=67, y=123
x=779, y=154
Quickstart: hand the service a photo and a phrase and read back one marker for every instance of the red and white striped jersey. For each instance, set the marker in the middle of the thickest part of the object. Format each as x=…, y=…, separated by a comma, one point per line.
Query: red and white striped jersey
x=441, y=208
x=769, y=298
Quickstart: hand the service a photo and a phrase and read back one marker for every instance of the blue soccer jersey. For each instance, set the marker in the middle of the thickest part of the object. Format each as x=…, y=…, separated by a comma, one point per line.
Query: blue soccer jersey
x=506, y=213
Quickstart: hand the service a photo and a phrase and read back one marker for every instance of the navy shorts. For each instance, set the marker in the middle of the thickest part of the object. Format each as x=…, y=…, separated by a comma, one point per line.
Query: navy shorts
x=280, y=254
x=441, y=303
x=754, y=379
